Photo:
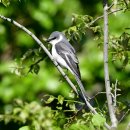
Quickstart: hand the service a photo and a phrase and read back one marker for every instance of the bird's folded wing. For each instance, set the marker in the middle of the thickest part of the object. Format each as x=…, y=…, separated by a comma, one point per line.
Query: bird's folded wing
x=67, y=53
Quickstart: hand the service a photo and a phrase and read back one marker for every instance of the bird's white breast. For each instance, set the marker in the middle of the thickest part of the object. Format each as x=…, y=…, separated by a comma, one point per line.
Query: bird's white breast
x=58, y=58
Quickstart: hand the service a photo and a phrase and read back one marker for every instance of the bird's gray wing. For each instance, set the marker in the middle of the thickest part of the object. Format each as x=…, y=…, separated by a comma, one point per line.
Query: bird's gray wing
x=68, y=54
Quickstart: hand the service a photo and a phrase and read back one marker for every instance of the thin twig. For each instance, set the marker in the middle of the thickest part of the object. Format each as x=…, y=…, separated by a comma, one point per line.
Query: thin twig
x=124, y=115
x=50, y=56
x=32, y=65
x=115, y=93
x=110, y=6
x=106, y=69
x=115, y=11
x=98, y=94
x=100, y=17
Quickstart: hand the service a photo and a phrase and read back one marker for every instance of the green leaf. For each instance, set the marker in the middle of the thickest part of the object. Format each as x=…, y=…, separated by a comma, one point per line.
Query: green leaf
x=60, y=99
x=50, y=99
x=5, y=2
x=98, y=120
x=36, y=68
x=72, y=106
x=59, y=108
x=24, y=128
x=78, y=127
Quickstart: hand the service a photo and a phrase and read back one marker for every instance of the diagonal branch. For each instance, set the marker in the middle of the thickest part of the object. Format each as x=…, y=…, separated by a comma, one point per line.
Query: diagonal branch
x=106, y=69
x=54, y=62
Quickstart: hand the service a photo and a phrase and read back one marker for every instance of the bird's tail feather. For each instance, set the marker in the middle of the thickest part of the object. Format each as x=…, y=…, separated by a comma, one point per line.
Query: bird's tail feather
x=82, y=94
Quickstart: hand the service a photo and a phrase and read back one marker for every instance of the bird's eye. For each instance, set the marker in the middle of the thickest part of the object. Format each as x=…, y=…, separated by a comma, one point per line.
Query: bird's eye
x=53, y=38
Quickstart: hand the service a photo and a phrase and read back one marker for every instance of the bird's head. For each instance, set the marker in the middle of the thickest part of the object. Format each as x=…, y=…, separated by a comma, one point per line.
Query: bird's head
x=55, y=37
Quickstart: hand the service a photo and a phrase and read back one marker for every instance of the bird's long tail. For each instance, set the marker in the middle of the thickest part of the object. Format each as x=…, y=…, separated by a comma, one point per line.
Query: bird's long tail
x=82, y=95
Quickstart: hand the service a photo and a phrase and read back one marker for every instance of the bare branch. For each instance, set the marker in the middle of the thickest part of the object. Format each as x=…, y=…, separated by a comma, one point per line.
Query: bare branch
x=106, y=69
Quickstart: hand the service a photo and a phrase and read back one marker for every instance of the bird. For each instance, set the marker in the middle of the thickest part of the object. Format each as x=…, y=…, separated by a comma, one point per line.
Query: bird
x=65, y=55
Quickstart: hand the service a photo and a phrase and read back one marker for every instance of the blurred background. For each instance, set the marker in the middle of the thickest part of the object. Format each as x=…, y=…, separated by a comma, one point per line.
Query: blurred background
x=43, y=17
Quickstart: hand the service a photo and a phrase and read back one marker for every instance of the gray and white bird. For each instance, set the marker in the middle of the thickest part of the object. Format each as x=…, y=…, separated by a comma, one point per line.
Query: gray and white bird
x=64, y=53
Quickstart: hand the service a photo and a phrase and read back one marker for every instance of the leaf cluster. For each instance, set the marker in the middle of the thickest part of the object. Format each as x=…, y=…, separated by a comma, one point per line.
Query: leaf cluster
x=120, y=48
x=29, y=62
x=36, y=116
x=81, y=24
x=5, y=2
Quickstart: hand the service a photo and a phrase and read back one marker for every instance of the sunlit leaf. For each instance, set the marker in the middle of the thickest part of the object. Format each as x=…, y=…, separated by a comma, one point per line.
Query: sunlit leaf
x=59, y=108
x=5, y=2
x=49, y=99
x=72, y=106
x=79, y=127
x=60, y=99
x=24, y=128
x=98, y=120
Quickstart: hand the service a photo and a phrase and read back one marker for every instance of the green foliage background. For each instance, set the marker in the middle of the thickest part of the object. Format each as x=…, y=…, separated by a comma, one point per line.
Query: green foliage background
x=43, y=17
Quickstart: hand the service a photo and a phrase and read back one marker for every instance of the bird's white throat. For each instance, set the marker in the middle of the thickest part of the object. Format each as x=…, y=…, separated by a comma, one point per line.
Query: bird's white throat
x=53, y=42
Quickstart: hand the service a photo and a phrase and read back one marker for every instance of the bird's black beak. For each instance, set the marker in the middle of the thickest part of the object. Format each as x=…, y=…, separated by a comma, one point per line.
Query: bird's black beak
x=50, y=39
